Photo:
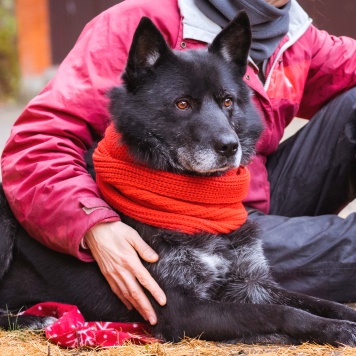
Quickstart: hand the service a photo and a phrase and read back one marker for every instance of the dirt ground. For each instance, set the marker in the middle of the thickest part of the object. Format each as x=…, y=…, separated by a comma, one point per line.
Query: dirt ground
x=18, y=343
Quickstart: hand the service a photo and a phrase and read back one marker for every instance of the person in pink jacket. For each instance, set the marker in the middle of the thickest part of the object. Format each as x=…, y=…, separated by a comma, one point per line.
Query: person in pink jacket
x=297, y=188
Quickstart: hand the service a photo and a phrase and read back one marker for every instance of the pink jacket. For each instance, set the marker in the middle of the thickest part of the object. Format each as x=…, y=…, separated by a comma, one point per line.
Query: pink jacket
x=44, y=174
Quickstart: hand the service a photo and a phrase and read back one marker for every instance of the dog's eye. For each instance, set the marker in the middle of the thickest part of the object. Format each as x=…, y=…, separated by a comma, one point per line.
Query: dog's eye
x=227, y=102
x=182, y=104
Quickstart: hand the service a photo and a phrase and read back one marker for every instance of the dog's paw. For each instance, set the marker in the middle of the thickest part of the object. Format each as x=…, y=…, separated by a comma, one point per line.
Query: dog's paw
x=42, y=323
x=31, y=322
x=340, y=332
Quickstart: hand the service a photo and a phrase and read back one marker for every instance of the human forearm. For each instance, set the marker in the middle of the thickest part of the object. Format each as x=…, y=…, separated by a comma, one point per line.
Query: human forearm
x=45, y=178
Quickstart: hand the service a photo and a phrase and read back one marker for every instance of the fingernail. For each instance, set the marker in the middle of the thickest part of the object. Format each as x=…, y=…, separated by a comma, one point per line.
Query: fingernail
x=162, y=301
x=152, y=320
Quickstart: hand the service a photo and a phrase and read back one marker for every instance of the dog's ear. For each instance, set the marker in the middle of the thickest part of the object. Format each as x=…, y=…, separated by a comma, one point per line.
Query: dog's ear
x=234, y=41
x=147, y=49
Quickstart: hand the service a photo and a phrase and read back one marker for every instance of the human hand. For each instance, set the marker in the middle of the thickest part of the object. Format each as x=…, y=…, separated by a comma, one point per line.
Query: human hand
x=115, y=246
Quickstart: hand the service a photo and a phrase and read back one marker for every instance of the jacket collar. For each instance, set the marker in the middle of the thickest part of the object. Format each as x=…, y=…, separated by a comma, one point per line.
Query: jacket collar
x=198, y=27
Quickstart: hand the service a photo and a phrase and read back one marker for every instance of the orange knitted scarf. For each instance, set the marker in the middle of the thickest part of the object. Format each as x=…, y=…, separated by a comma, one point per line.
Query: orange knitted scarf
x=180, y=202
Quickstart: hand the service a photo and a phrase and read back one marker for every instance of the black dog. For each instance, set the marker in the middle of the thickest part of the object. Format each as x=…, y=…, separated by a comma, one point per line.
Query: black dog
x=188, y=112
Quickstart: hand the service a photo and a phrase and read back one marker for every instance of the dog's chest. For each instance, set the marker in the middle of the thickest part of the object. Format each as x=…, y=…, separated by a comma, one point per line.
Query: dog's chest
x=213, y=268
x=202, y=270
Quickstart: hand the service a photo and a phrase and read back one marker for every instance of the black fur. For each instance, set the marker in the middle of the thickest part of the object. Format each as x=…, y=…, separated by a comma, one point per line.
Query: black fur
x=218, y=287
x=156, y=78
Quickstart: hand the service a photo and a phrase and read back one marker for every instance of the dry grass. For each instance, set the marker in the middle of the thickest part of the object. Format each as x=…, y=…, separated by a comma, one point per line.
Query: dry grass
x=31, y=343
x=18, y=343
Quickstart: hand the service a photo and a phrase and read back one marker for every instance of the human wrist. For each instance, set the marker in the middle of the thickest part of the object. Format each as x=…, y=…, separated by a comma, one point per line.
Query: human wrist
x=88, y=237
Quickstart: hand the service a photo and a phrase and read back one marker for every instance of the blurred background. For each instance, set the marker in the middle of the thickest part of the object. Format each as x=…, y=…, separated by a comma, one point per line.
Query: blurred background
x=36, y=35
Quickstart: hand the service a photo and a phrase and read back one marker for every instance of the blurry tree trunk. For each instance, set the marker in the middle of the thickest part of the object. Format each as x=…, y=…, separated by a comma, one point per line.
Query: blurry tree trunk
x=9, y=66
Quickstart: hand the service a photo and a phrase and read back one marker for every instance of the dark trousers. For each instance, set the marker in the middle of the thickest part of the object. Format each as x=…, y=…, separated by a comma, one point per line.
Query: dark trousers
x=313, y=176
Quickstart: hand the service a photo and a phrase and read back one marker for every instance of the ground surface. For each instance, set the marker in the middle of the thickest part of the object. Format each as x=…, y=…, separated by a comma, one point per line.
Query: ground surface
x=18, y=343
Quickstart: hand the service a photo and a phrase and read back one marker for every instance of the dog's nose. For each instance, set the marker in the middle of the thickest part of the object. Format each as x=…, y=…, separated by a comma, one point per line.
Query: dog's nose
x=227, y=145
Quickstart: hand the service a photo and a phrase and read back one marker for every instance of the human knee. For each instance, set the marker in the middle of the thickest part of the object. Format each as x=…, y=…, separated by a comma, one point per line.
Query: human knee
x=345, y=107
x=348, y=100
x=350, y=126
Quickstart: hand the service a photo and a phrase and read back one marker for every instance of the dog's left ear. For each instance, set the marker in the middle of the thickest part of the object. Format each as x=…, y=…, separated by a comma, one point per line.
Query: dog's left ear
x=147, y=48
x=234, y=41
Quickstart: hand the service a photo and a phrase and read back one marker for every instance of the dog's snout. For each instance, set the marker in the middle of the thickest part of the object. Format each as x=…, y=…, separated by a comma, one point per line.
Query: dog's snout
x=227, y=145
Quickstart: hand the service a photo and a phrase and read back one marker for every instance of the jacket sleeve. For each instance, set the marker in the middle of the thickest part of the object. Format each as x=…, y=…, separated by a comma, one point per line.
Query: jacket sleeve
x=332, y=69
x=44, y=174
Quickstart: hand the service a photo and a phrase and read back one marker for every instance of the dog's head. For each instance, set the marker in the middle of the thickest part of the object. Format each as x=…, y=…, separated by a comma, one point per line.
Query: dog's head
x=187, y=111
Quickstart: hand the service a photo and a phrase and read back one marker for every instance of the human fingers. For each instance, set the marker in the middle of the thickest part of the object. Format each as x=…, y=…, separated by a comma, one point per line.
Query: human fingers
x=118, y=287
x=133, y=292
x=143, y=249
x=135, y=276
x=113, y=246
x=128, y=290
x=141, y=273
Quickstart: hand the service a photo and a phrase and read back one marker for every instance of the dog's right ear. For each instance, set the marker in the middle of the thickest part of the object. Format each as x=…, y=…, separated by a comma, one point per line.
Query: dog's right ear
x=147, y=49
x=234, y=41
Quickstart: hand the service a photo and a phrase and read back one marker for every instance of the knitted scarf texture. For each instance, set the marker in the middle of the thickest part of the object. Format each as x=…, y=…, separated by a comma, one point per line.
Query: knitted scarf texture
x=269, y=23
x=180, y=202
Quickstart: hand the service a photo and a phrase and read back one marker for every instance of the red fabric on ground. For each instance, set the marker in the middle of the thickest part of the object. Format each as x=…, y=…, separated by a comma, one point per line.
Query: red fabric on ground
x=71, y=330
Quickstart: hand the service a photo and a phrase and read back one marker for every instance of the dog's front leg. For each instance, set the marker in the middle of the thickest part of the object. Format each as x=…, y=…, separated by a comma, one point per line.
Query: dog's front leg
x=186, y=315
x=317, y=306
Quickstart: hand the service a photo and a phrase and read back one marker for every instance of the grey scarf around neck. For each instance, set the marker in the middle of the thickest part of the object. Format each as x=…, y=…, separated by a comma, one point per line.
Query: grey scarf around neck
x=269, y=24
